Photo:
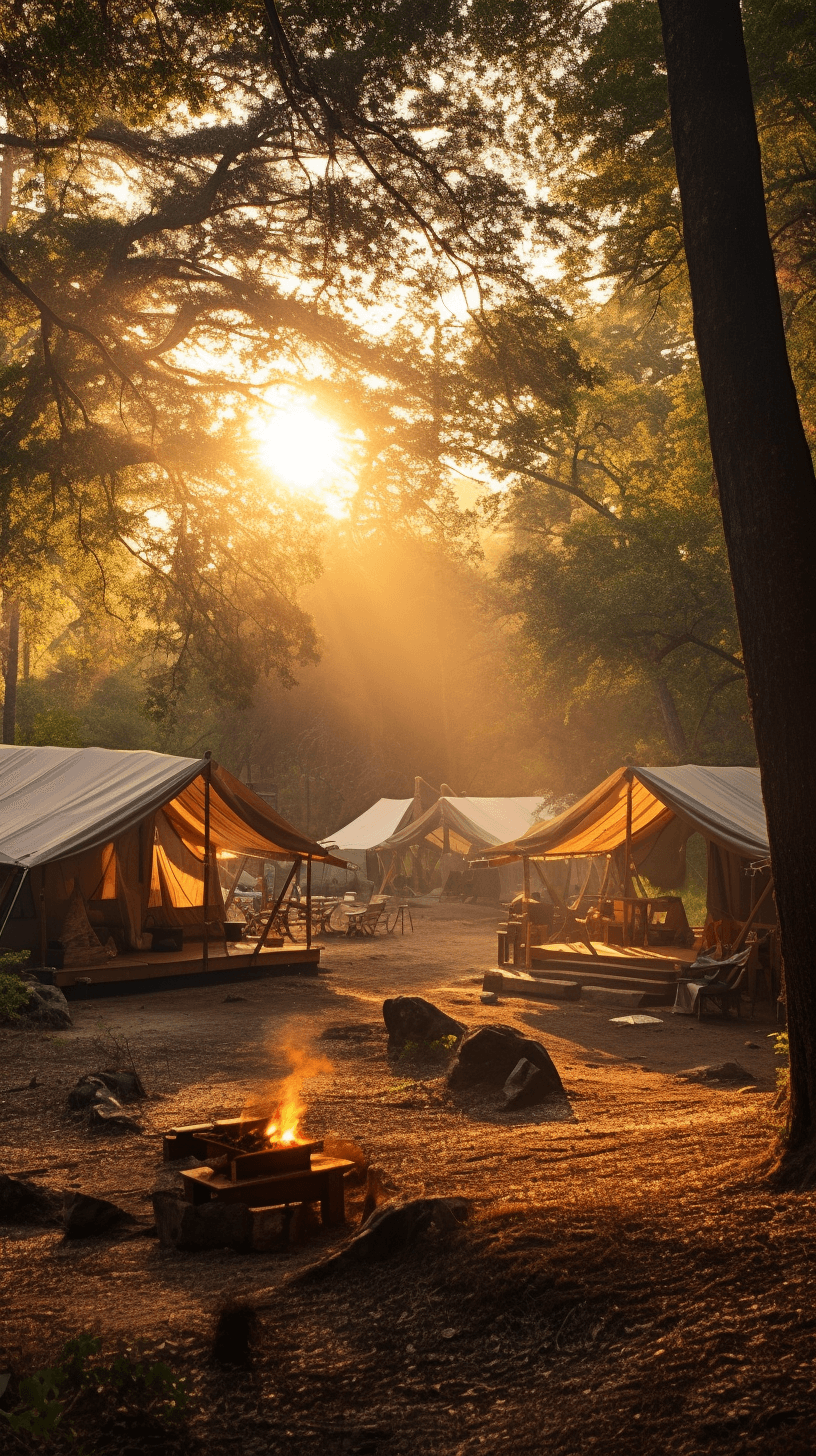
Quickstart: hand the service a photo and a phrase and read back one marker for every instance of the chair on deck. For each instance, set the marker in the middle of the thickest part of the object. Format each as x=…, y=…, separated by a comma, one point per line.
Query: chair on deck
x=365, y=923
x=723, y=985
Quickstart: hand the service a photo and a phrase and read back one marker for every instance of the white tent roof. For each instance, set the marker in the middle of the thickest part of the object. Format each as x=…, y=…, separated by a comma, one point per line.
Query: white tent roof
x=60, y=801
x=376, y=824
x=56, y=802
x=496, y=816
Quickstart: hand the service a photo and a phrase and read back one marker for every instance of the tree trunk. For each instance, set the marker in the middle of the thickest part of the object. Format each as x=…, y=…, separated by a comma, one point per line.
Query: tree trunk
x=764, y=471
x=675, y=731
x=12, y=669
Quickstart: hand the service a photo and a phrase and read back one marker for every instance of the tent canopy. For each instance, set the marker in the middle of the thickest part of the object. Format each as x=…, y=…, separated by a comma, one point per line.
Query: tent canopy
x=723, y=804
x=56, y=802
x=473, y=823
x=368, y=829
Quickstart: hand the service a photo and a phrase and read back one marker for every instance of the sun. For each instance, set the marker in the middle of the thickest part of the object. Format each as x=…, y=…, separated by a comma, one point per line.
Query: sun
x=304, y=451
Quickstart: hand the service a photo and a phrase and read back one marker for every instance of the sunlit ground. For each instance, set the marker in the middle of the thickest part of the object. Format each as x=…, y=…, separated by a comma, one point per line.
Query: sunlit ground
x=304, y=450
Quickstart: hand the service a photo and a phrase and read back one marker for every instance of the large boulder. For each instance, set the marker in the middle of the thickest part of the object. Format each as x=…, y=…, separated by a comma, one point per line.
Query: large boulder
x=491, y=1053
x=47, y=1006
x=22, y=1202
x=410, y=1019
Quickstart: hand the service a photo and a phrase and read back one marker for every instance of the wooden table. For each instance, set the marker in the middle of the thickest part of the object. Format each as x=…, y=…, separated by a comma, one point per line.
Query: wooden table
x=322, y=1183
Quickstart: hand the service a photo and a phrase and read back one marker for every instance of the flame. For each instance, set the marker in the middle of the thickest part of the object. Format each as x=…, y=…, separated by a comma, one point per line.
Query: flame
x=284, y=1124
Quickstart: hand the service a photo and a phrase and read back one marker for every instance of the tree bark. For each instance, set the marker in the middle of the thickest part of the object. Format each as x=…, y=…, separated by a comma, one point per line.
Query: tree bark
x=764, y=471
x=675, y=731
x=11, y=671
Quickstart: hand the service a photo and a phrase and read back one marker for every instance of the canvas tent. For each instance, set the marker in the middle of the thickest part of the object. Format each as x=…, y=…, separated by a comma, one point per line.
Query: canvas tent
x=124, y=834
x=449, y=832
x=358, y=838
x=642, y=818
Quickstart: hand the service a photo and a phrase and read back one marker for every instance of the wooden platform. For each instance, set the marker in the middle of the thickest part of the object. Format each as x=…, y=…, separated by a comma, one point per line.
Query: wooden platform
x=636, y=975
x=143, y=971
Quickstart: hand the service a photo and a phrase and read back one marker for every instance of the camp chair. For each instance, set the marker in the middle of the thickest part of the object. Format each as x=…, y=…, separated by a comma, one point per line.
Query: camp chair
x=724, y=984
x=364, y=922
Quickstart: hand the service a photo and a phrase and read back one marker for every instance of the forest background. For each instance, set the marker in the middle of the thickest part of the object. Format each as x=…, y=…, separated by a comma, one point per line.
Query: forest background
x=446, y=242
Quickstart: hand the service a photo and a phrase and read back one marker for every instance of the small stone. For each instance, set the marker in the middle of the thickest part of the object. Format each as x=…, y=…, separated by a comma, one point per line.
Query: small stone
x=85, y=1217
x=721, y=1072
x=489, y=998
x=229, y=999
x=753, y=1044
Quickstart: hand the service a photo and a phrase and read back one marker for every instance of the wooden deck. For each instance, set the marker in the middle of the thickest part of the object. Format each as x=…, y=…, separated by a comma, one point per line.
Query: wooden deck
x=626, y=975
x=143, y=971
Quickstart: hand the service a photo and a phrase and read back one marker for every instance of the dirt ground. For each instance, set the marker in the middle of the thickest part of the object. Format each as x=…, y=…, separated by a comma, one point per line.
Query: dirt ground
x=626, y=1283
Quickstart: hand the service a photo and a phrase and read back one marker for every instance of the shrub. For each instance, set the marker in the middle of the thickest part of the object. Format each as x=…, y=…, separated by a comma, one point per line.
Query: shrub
x=14, y=997
x=45, y=1397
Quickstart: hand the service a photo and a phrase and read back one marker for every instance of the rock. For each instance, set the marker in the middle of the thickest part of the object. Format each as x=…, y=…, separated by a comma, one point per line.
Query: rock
x=87, y=1090
x=393, y=1228
x=26, y=1203
x=412, y=1019
x=526, y=1086
x=491, y=1053
x=85, y=1217
x=229, y=999
x=722, y=1072
x=46, y=1005
x=104, y=1087
x=489, y=998
x=234, y=1332
x=107, y=1113
x=198, y=1226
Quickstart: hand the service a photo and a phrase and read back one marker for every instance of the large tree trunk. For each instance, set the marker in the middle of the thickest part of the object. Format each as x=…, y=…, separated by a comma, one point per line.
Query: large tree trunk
x=764, y=469
x=675, y=732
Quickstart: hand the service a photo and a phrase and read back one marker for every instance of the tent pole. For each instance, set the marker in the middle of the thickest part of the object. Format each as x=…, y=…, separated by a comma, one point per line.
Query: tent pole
x=234, y=886
x=528, y=949
x=205, y=948
x=16, y=870
x=308, y=902
x=43, y=921
x=276, y=907
x=627, y=873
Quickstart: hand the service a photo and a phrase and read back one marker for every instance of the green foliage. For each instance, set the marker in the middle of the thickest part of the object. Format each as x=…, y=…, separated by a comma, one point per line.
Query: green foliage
x=434, y=1051
x=54, y=726
x=14, y=995
x=781, y=1048
x=46, y=1397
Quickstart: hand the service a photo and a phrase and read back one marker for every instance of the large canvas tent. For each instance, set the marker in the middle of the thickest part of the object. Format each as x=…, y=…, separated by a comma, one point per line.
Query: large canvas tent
x=642, y=818
x=451, y=831
x=124, y=835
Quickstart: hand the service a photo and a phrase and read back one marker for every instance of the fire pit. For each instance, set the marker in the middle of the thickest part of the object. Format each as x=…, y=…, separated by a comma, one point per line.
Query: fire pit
x=248, y=1163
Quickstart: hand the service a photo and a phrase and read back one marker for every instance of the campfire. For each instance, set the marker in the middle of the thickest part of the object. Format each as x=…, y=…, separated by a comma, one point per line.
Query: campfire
x=262, y=1161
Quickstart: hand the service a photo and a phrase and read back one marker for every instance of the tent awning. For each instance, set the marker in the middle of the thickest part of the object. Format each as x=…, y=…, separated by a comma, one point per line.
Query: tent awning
x=723, y=804
x=56, y=802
